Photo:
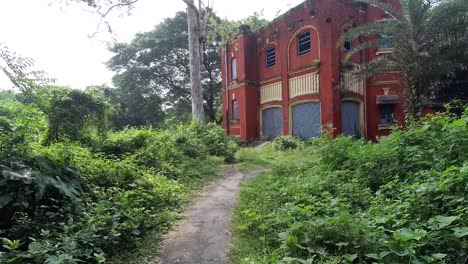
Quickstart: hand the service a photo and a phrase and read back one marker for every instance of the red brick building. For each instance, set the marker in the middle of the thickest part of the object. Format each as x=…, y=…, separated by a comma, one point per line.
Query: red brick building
x=290, y=79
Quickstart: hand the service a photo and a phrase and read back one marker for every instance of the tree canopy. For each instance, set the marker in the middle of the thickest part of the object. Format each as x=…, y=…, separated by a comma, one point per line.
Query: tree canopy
x=157, y=62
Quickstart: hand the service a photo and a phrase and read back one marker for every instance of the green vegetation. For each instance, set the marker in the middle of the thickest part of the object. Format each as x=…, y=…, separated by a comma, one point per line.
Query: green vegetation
x=402, y=200
x=90, y=194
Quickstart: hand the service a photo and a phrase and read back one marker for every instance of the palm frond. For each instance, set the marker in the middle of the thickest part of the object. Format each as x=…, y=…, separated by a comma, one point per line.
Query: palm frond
x=361, y=47
x=376, y=67
x=388, y=8
x=375, y=28
x=418, y=11
x=442, y=15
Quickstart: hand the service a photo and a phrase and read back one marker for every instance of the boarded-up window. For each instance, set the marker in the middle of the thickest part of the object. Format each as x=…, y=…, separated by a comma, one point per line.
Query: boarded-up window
x=303, y=43
x=270, y=56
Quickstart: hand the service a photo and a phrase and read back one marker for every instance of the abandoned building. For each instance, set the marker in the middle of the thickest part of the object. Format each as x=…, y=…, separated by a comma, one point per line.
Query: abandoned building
x=290, y=78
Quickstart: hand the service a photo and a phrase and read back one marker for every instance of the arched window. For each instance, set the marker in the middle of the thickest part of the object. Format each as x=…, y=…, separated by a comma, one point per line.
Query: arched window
x=234, y=69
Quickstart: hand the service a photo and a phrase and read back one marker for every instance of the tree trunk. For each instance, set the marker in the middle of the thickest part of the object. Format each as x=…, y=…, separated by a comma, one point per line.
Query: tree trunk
x=195, y=63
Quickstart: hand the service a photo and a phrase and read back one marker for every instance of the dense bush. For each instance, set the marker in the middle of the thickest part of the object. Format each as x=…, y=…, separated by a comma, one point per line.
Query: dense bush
x=402, y=200
x=66, y=203
x=287, y=143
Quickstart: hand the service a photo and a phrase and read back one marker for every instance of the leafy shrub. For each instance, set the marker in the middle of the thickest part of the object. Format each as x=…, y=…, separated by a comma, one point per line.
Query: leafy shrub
x=65, y=203
x=402, y=200
x=287, y=143
x=126, y=141
x=213, y=137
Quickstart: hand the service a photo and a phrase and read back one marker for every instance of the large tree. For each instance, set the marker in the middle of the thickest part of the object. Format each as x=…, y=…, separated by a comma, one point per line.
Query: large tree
x=198, y=16
x=429, y=40
x=197, y=19
x=157, y=62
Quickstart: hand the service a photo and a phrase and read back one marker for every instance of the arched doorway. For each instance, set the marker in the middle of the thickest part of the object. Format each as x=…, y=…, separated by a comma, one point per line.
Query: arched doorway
x=351, y=118
x=272, y=122
x=306, y=120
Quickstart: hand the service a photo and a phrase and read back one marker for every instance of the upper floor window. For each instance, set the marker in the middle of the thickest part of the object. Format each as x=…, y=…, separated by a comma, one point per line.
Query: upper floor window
x=384, y=42
x=235, y=115
x=303, y=43
x=234, y=69
x=270, y=56
x=348, y=45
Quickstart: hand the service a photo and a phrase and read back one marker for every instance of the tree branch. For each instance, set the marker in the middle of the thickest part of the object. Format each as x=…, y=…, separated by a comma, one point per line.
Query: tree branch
x=103, y=15
x=192, y=6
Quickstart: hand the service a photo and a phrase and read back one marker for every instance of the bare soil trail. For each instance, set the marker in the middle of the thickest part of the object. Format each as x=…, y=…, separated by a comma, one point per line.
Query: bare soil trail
x=202, y=236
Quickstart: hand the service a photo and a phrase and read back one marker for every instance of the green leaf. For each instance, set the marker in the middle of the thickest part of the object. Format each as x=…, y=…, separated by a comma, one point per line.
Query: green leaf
x=441, y=221
x=398, y=249
x=458, y=123
x=439, y=256
x=460, y=231
x=378, y=256
x=406, y=234
x=373, y=256
x=350, y=257
x=5, y=200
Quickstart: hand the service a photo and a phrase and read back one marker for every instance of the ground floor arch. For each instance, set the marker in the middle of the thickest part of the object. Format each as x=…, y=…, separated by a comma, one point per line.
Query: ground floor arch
x=351, y=118
x=306, y=119
x=271, y=122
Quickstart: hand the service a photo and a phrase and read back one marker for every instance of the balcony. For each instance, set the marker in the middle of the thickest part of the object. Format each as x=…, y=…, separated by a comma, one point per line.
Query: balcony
x=303, y=85
x=351, y=84
x=271, y=92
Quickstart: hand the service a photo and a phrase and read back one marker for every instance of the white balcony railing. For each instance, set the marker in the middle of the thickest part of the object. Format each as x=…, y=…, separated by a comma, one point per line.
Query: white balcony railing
x=271, y=92
x=353, y=85
x=305, y=84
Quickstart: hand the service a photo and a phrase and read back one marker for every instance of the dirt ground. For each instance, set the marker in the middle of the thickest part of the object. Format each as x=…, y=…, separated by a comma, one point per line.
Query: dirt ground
x=202, y=236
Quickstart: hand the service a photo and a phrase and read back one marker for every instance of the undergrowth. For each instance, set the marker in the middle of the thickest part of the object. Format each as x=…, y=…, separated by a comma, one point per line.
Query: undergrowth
x=401, y=200
x=73, y=203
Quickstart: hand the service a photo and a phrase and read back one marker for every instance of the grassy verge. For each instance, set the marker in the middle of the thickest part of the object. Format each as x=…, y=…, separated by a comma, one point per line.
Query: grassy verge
x=265, y=157
x=259, y=196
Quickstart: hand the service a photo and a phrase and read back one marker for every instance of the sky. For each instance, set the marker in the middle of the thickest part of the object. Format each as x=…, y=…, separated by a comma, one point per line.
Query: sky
x=57, y=35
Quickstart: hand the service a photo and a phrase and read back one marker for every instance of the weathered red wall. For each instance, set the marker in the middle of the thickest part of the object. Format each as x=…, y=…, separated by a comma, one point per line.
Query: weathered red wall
x=373, y=110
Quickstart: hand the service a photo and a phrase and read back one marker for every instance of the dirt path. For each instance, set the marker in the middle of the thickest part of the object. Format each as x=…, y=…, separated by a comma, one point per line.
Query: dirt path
x=202, y=236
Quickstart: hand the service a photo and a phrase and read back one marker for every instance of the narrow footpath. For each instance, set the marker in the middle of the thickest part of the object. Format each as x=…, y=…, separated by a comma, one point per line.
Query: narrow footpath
x=202, y=236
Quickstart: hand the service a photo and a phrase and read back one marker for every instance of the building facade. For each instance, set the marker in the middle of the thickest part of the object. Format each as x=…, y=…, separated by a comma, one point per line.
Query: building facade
x=291, y=77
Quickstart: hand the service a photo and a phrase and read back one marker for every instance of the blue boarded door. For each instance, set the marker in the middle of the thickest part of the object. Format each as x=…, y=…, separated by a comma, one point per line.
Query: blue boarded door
x=351, y=118
x=306, y=121
x=272, y=122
